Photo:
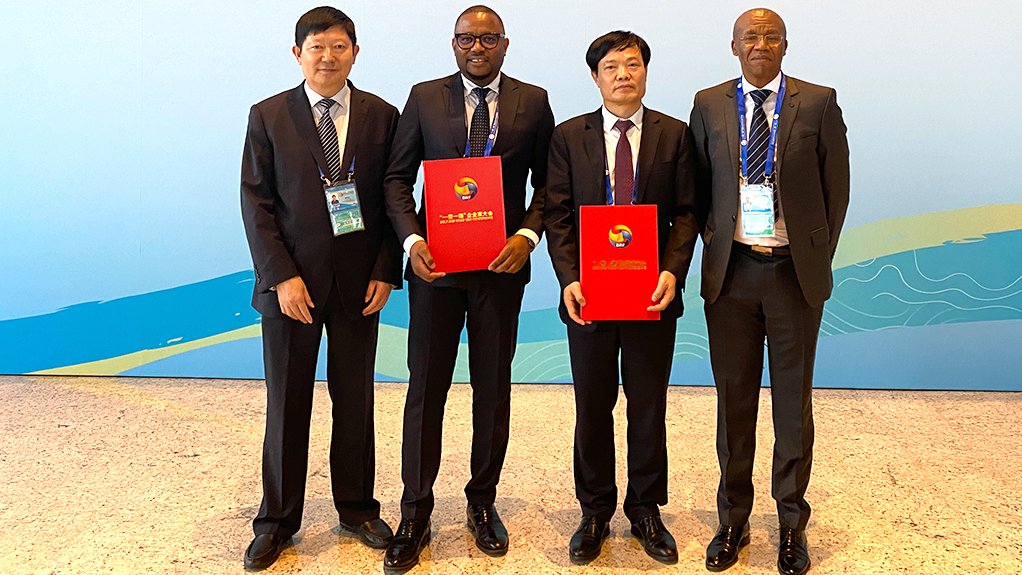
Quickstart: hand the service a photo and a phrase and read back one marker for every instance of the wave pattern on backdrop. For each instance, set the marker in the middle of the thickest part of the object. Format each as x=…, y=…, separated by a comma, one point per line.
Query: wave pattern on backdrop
x=923, y=302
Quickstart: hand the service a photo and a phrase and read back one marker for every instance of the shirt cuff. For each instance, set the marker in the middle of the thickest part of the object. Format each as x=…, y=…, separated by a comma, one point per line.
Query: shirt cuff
x=530, y=235
x=410, y=241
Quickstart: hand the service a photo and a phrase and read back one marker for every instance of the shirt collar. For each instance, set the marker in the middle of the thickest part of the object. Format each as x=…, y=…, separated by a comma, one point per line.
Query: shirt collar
x=342, y=98
x=610, y=119
x=494, y=86
x=773, y=85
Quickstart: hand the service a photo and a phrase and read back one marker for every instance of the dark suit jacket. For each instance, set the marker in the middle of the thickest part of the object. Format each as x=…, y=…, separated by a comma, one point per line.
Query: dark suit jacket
x=284, y=208
x=812, y=180
x=432, y=127
x=666, y=172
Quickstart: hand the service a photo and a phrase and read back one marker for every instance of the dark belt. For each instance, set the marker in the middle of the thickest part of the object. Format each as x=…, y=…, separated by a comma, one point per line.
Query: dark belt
x=767, y=251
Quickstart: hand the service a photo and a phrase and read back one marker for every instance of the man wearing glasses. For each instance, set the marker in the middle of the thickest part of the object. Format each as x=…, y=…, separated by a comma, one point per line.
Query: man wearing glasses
x=447, y=118
x=774, y=164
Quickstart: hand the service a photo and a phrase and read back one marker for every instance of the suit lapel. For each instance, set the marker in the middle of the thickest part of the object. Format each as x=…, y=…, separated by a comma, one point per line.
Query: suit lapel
x=648, y=143
x=732, y=128
x=789, y=110
x=357, y=114
x=507, y=104
x=596, y=153
x=455, y=100
x=301, y=114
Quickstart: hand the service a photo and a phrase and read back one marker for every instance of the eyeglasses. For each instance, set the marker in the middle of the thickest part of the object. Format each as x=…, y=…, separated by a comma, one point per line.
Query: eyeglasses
x=468, y=41
x=772, y=40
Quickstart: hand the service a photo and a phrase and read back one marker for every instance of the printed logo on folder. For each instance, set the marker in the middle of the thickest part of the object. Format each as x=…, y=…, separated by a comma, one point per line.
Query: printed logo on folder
x=620, y=236
x=466, y=188
x=465, y=230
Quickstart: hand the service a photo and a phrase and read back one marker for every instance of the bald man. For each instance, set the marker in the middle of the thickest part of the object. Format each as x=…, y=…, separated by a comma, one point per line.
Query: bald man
x=774, y=165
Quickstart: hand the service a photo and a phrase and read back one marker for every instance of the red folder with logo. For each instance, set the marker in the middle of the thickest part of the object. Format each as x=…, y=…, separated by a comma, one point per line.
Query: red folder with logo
x=619, y=261
x=464, y=212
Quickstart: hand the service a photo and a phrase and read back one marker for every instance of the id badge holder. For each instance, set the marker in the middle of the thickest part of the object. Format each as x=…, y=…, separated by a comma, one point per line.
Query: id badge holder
x=757, y=205
x=344, y=208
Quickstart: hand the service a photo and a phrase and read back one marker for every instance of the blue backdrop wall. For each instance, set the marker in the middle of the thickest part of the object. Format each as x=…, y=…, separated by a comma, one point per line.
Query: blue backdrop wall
x=123, y=250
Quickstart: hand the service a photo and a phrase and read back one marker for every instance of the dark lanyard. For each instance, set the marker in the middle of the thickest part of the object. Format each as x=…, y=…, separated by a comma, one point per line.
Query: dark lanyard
x=351, y=172
x=493, y=132
x=606, y=173
x=768, y=170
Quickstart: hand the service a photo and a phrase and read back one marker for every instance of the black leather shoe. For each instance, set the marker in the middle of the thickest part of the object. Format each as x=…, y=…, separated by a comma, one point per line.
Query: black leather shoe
x=264, y=550
x=489, y=531
x=587, y=542
x=793, y=554
x=722, y=552
x=656, y=539
x=374, y=533
x=403, y=550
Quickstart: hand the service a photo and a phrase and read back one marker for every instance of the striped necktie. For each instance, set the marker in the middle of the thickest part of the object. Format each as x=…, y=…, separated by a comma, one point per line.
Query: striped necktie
x=328, y=137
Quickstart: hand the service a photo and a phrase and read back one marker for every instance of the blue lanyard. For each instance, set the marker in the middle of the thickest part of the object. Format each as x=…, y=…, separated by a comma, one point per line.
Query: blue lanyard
x=768, y=170
x=351, y=172
x=606, y=174
x=493, y=133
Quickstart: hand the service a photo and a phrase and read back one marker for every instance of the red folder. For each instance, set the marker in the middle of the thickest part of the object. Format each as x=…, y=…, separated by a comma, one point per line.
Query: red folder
x=464, y=212
x=619, y=261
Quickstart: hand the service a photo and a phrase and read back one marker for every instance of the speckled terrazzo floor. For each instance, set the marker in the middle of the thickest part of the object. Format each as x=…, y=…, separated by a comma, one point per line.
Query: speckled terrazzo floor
x=117, y=475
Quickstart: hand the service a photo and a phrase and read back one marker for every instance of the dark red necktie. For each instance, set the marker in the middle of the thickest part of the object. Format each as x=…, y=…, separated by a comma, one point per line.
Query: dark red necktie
x=624, y=176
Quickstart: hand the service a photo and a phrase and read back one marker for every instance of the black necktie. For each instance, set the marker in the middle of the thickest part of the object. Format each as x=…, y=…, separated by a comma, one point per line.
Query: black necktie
x=479, y=131
x=328, y=137
x=624, y=176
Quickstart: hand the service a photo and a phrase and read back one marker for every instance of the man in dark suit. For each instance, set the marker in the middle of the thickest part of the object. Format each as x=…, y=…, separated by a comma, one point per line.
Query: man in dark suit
x=307, y=278
x=767, y=276
x=618, y=143
x=435, y=125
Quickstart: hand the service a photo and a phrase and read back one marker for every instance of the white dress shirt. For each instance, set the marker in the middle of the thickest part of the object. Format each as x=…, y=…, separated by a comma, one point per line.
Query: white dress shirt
x=780, y=230
x=611, y=137
x=338, y=113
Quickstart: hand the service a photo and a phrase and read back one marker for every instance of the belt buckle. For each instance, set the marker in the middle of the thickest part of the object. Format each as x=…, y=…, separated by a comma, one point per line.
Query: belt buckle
x=763, y=250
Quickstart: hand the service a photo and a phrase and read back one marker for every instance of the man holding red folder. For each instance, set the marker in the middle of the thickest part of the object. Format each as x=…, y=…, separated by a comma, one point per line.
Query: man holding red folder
x=473, y=113
x=621, y=154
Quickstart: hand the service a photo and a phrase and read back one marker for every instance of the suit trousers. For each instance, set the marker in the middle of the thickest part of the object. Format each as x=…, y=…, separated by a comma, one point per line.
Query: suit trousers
x=489, y=304
x=290, y=351
x=646, y=350
x=761, y=298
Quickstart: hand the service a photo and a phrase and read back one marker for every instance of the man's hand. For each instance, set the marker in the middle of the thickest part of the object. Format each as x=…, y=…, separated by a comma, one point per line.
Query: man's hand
x=574, y=301
x=514, y=255
x=294, y=299
x=422, y=262
x=664, y=293
x=376, y=296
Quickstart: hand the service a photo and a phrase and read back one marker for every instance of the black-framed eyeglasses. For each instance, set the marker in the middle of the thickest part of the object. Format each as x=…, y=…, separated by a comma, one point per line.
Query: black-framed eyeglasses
x=468, y=41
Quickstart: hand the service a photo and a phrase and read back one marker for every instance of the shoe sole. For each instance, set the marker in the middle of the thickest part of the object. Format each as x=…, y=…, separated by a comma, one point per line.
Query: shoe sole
x=403, y=568
x=742, y=543
x=490, y=552
x=354, y=532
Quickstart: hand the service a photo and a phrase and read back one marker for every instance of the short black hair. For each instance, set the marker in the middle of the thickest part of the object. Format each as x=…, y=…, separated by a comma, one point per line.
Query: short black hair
x=479, y=8
x=320, y=20
x=616, y=40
